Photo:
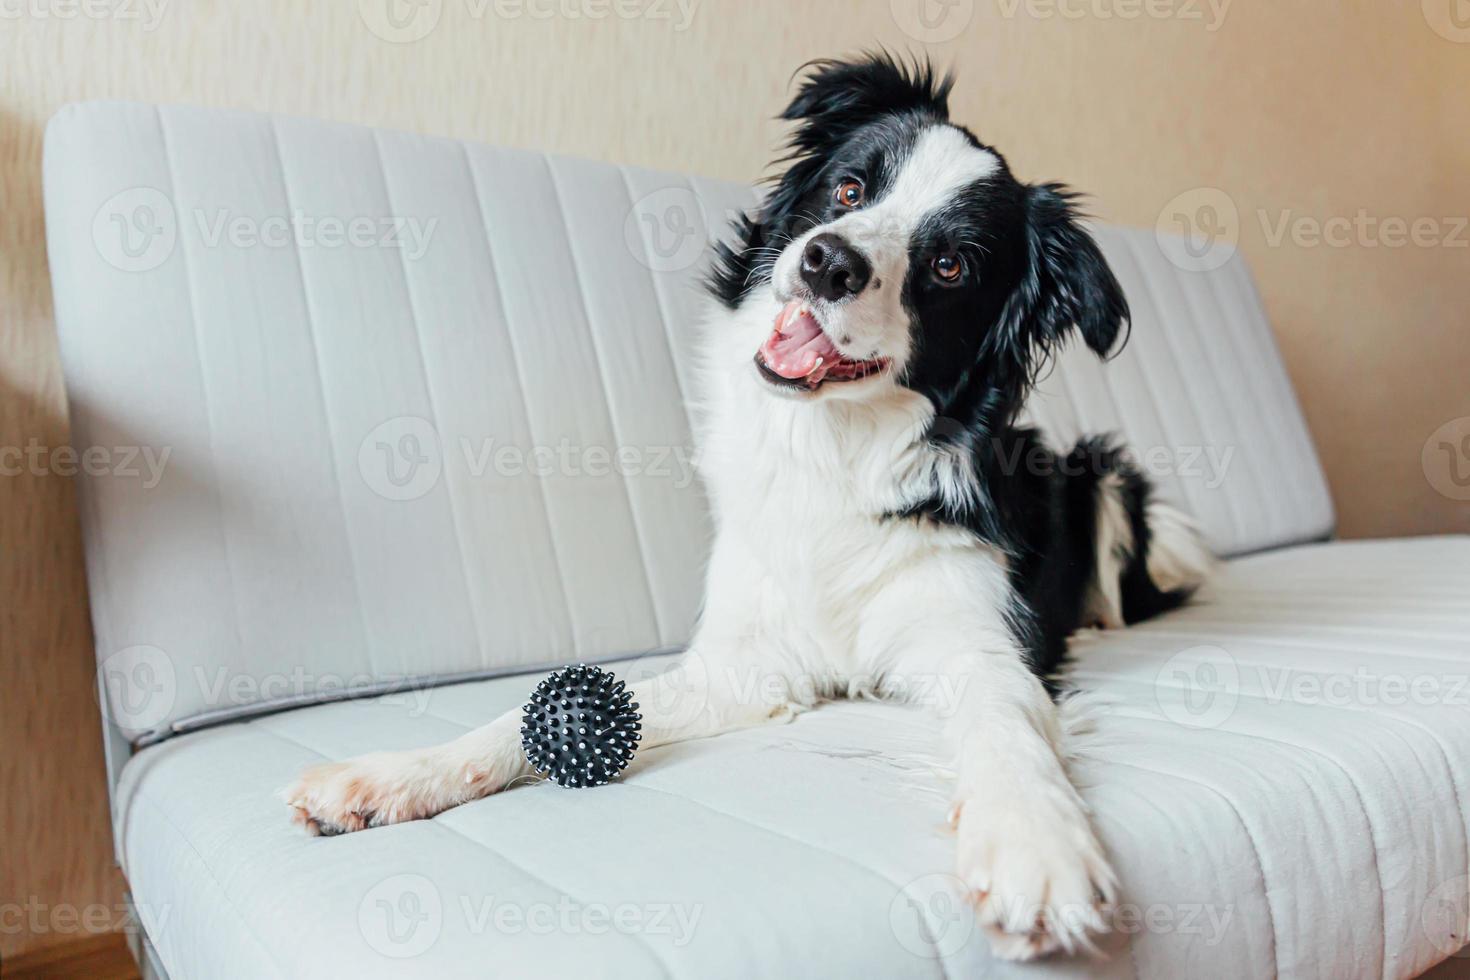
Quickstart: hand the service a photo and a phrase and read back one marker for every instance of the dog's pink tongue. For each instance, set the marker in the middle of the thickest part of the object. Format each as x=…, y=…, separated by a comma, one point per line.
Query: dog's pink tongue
x=797, y=347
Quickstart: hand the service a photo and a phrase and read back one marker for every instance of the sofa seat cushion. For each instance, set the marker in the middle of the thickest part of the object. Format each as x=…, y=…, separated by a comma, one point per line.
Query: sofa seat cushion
x=1278, y=771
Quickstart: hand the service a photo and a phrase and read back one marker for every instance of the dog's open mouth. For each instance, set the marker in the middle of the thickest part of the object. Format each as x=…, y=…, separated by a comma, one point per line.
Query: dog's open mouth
x=799, y=354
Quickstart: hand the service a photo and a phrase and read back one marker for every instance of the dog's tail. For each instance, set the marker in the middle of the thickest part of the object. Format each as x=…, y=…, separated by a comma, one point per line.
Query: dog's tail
x=1149, y=557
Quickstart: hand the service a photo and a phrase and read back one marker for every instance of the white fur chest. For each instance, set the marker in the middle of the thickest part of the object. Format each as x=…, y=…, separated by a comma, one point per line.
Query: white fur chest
x=803, y=495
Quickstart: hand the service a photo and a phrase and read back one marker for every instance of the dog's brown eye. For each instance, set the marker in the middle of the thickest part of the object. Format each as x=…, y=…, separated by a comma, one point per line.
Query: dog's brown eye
x=948, y=266
x=849, y=193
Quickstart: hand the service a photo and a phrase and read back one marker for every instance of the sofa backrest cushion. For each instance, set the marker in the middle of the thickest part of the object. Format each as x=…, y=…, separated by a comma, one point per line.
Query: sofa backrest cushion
x=367, y=409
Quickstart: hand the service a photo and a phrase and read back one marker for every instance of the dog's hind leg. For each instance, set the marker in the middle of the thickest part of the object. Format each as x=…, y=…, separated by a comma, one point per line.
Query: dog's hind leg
x=1148, y=557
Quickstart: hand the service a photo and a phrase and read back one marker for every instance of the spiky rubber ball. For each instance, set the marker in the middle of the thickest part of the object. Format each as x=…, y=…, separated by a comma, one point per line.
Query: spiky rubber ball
x=581, y=726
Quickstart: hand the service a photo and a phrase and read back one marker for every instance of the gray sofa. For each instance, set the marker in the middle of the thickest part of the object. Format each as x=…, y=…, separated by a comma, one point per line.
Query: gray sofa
x=409, y=424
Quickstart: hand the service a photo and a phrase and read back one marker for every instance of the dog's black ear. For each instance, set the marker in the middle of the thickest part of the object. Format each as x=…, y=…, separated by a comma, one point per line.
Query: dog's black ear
x=1066, y=283
x=836, y=98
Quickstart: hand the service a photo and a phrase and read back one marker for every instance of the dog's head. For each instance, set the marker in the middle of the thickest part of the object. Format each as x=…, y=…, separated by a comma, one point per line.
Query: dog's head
x=899, y=249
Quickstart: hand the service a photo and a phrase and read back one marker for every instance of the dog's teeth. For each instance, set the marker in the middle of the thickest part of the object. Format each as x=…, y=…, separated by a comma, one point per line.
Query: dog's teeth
x=814, y=368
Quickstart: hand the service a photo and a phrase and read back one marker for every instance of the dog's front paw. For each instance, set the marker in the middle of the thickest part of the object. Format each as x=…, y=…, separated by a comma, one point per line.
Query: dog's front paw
x=373, y=790
x=1039, y=880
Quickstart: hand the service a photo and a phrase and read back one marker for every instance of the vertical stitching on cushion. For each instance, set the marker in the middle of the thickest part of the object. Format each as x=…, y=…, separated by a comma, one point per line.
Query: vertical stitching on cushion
x=240, y=913
x=1372, y=831
x=1269, y=369
x=1301, y=435
x=1153, y=299
x=1282, y=511
x=606, y=399
x=1068, y=429
x=846, y=859
x=634, y=934
x=1249, y=836
x=1352, y=782
x=663, y=309
x=203, y=386
x=525, y=398
x=316, y=355
x=1241, y=543
x=418, y=336
x=1069, y=394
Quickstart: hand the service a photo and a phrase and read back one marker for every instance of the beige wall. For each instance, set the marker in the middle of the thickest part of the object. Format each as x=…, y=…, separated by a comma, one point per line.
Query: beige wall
x=1324, y=109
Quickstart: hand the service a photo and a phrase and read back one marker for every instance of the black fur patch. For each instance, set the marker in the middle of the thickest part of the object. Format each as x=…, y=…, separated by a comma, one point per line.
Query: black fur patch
x=1033, y=277
x=862, y=115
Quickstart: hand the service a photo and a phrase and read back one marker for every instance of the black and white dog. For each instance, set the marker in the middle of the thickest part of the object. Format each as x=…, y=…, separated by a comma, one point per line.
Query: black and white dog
x=879, y=323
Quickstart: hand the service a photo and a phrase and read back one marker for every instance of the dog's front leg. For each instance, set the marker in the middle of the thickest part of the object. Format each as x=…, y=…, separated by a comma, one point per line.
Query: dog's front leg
x=697, y=697
x=1027, y=852
x=1027, y=849
x=392, y=787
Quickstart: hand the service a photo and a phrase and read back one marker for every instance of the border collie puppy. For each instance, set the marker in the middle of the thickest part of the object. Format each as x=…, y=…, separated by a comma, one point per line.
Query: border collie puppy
x=880, y=517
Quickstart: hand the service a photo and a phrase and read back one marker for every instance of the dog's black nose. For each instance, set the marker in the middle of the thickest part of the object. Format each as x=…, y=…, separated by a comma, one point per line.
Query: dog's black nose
x=834, y=269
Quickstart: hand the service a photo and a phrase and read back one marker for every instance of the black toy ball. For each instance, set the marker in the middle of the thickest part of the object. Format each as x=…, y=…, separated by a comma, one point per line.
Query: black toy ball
x=581, y=726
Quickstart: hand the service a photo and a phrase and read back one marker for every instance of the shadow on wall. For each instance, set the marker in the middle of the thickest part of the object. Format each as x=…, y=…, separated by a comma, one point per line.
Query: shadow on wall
x=57, y=864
